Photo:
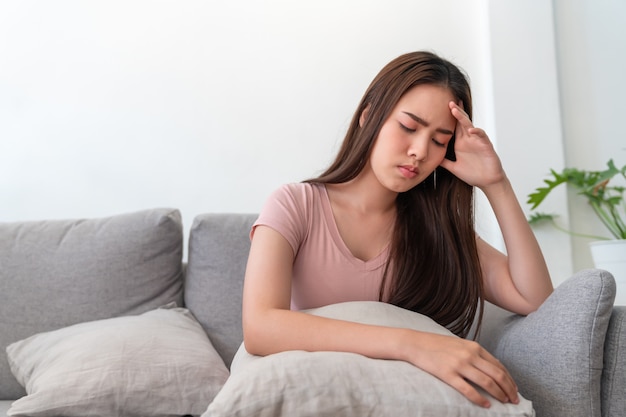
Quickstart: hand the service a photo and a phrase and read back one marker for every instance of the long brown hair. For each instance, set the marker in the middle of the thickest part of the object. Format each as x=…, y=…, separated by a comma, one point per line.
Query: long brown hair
x=433, y=255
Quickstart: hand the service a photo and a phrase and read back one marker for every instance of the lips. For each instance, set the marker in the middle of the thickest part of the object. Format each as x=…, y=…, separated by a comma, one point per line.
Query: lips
x=408, y=171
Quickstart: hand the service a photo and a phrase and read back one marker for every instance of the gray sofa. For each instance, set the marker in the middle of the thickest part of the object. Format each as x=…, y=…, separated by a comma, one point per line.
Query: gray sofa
x=103, y=317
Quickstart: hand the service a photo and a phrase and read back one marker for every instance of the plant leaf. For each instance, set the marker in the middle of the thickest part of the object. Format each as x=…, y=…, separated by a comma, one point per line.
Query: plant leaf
x=537, y=217
x=542, y=192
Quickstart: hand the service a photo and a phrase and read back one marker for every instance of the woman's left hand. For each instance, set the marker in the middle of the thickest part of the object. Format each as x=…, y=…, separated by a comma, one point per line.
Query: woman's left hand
x=476, y=160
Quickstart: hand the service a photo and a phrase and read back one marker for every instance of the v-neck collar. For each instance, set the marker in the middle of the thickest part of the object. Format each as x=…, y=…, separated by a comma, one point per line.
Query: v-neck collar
x=369, y=265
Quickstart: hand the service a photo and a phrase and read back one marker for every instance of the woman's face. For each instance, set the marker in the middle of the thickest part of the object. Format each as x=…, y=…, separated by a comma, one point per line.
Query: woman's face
x=413, y=140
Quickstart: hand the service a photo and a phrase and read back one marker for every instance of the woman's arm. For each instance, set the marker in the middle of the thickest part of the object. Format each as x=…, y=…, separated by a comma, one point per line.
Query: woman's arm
x=269, y=326
x=518, y=281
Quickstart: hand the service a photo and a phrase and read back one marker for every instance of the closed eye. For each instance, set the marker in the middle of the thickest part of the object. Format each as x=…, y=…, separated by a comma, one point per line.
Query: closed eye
x=407, y=129
x=439, y=144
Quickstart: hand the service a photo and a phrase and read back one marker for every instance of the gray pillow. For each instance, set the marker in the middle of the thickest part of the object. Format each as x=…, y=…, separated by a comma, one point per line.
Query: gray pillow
x=58, y=273
x=339, y=384
x=160, y=363
x=218, y=248
x=555, y=354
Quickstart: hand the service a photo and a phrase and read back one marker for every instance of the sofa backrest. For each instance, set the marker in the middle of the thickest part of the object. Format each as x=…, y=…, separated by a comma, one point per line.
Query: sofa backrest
x=217, y=257
x=57, y=273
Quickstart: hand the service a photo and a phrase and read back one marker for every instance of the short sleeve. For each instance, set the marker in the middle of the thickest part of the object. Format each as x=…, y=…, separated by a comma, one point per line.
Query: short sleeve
x=286, y=211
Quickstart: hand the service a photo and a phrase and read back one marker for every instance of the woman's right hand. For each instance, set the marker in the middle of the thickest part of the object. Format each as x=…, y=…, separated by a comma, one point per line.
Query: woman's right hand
x=460, y=363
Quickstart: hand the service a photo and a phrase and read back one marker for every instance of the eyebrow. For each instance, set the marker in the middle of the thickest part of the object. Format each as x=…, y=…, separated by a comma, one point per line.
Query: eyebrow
x=426, y=124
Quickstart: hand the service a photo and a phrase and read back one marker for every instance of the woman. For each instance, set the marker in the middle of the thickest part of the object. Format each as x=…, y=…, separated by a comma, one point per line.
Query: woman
x=391, y=220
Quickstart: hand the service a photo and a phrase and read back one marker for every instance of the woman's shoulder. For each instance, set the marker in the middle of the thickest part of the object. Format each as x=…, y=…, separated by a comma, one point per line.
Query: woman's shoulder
x=299, y=200
x=290, y=209
x=301, y=187
x=301, y=192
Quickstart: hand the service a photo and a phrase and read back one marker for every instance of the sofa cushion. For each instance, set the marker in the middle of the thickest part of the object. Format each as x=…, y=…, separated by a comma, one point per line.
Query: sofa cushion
x=160, y=363
x=58, y=273
x=340, y=384
x=218, y=250
x=556, y=354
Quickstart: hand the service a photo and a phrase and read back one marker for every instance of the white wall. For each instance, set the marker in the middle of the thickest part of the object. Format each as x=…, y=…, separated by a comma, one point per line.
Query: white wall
x=116, y=106
x=527, y=111
x=558, y=100
x=592, y=64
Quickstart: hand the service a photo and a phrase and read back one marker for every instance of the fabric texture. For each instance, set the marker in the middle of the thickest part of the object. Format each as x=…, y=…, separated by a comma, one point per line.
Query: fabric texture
x=302, y=214
x=218, y=249
x=556, y=353
x=4, y=407
x=614, y=372
x=160, y=363
x=337, y=384
x=61, y=272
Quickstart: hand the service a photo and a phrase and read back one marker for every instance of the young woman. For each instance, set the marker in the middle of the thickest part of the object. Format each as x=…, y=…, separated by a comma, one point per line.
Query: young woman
x=391, y=220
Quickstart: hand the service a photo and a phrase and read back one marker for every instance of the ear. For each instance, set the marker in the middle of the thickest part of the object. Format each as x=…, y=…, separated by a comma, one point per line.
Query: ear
x=364, y=114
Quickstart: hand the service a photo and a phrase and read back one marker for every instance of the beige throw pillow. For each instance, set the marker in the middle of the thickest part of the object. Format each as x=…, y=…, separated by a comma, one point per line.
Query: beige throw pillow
x=337, y=384
x=160, y=363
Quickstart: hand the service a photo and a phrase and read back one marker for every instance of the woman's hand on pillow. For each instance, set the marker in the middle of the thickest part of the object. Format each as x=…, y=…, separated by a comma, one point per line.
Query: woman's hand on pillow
x=459, y=363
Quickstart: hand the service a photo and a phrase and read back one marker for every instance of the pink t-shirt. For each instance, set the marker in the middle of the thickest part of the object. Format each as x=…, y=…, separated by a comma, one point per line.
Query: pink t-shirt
x=324, y=270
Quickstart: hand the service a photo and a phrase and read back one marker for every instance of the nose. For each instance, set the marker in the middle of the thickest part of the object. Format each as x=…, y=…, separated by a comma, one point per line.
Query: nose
x=419, y=148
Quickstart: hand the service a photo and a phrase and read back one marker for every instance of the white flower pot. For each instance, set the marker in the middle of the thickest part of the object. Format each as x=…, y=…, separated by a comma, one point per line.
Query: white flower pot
x=610, y=255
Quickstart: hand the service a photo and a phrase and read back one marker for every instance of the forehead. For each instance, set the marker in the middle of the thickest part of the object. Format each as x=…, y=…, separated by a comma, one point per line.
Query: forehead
x=430, y=102
x=425, y=94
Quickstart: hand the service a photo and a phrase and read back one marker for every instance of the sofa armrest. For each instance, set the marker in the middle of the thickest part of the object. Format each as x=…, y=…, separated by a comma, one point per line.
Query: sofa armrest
x=556, y=353
x=614, y=372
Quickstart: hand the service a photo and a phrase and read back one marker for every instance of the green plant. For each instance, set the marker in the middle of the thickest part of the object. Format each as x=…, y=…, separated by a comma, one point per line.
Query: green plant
x=607, y=201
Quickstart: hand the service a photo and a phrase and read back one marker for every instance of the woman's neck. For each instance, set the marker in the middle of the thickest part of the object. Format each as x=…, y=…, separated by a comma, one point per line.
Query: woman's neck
x=364, y=194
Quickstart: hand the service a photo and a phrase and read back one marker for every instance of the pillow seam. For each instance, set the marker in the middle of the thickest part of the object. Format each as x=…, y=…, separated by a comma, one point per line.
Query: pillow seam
x=611, y=384
x=594, y=330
